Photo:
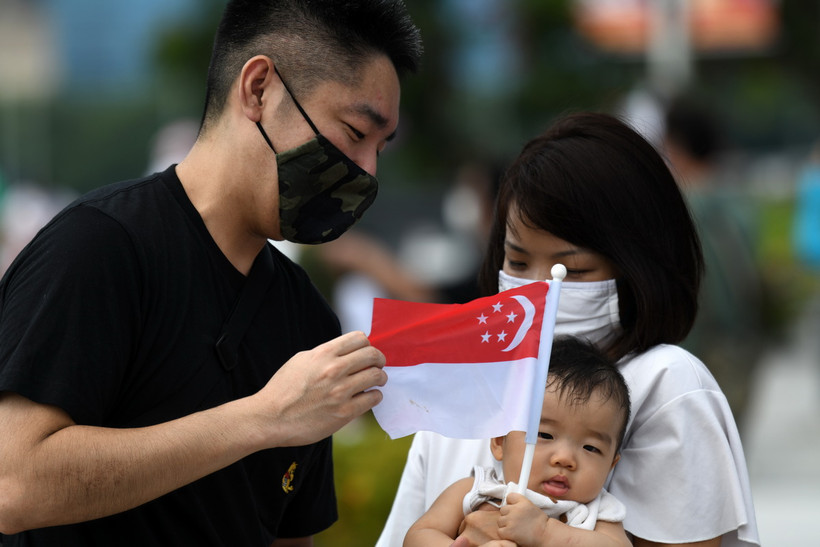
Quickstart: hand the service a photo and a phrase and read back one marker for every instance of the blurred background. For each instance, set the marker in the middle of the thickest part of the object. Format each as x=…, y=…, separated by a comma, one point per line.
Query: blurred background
x=93, y=91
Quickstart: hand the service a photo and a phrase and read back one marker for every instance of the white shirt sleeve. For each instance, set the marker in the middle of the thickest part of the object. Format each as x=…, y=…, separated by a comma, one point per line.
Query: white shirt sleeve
x=682, y=473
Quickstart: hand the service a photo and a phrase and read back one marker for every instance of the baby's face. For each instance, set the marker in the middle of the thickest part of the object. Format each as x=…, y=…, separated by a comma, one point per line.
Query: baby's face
x=575, y=449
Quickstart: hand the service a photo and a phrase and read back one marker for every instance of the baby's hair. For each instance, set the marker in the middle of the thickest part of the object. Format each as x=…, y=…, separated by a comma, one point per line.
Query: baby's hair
x=578, y=370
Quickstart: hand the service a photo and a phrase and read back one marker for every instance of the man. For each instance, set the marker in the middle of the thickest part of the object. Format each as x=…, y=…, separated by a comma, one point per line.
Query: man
x=166, y=376
x=729, y=333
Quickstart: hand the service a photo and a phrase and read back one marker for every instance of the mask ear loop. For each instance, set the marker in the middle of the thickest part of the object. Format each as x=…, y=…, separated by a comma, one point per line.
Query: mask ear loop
x=301, y=110
x=265, y=136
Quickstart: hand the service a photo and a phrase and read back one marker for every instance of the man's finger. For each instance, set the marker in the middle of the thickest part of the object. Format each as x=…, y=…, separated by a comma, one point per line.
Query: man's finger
x=347, y=343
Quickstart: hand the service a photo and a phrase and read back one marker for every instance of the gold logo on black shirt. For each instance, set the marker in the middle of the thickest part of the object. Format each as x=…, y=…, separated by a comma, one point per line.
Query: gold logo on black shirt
x=287, y=478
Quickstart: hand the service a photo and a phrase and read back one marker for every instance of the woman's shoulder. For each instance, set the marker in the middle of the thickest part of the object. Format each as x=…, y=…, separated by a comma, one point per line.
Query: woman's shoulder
x=666, y=362
x=665, y=373
x=679, y=414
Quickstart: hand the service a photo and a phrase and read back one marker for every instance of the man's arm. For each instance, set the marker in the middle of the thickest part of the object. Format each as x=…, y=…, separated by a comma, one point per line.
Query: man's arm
x=53, y=471
x=293, y=542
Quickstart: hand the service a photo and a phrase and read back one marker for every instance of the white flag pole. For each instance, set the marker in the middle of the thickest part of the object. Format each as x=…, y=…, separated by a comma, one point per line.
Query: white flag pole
x=558, y=272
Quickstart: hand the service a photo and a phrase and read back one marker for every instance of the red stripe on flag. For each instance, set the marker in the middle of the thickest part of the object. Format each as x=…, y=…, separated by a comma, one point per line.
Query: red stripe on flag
x=503, y=327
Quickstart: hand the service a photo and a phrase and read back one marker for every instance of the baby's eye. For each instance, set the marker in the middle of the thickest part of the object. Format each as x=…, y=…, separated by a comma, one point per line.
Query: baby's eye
x=543, y=435
x=591, y=448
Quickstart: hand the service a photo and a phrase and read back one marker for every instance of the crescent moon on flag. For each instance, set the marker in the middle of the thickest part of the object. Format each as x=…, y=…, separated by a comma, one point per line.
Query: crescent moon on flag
x=529, y=314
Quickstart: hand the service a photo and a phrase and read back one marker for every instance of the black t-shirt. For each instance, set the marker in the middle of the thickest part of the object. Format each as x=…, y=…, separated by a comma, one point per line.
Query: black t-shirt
x=112, y=313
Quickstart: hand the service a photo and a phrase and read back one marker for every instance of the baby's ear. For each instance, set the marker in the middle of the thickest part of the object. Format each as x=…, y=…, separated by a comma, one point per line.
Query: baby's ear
x=614, y=461
x=497, y=447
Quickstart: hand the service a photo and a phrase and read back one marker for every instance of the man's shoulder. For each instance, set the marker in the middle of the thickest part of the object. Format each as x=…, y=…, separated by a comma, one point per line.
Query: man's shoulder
x=132, y=195
x=152, y=208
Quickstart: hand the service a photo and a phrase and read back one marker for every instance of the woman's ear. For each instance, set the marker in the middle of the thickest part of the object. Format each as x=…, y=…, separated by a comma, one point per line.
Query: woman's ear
x=256, y=86
x=497, y=447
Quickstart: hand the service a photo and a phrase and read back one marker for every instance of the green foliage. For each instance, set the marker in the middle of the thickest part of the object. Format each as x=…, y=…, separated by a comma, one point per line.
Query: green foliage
x=368, y=466
x=789, y=284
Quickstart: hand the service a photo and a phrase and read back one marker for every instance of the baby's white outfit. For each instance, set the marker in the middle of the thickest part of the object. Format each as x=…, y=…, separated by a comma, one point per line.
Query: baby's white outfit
x=489, y=486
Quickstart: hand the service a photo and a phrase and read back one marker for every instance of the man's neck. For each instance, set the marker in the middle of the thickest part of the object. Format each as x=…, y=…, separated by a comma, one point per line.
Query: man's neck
x=214, y=183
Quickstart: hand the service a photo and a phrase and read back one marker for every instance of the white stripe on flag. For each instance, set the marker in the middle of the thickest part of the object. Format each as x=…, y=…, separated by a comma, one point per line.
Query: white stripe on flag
x=459, y=400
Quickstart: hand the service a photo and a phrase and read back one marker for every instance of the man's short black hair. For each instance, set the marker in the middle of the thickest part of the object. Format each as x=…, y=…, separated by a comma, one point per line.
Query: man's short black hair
x=310, y=41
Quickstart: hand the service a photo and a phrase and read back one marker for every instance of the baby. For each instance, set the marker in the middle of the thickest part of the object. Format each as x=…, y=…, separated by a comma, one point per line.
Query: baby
x=583, y=420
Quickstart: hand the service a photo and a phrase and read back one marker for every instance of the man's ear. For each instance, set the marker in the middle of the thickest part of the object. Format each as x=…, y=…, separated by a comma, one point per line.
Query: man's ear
x=257, y=85
x=497, y=447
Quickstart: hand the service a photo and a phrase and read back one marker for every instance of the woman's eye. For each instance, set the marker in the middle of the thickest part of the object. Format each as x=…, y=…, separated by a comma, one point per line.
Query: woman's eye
x=515, y=265
x=542, y=435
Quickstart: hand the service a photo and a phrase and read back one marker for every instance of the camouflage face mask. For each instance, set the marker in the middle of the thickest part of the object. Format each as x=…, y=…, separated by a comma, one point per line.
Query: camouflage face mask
x=322, y=192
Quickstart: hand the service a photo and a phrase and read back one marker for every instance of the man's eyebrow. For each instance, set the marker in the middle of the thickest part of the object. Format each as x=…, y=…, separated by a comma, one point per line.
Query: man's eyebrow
x=377, y=118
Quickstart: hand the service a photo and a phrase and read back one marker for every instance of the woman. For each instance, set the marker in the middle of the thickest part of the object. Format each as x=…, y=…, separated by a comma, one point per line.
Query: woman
x=593, y=195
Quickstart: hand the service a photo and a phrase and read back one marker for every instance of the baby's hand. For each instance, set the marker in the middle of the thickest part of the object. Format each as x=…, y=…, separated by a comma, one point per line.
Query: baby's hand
x=479, y=528
x=522, y=522
x=464, y=542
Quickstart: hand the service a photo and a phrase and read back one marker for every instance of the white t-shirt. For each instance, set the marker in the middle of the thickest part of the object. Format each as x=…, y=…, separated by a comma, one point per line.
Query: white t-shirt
x=682, y=475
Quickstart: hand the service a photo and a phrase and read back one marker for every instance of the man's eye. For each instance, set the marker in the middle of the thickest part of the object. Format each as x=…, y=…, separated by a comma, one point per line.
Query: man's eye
x=542, y=435
x=356, y=132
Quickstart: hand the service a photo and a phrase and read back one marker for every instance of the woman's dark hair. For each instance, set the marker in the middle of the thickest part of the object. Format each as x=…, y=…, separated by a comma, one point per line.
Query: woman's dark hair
x=593, y=181
x=578, y=370
x=311, y=41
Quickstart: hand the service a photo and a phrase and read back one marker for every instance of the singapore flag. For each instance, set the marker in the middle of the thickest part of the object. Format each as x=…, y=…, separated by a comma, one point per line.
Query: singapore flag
x=461, y=370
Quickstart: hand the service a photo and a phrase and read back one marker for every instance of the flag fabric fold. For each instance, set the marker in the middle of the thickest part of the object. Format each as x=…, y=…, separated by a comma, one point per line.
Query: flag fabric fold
x=461, y=370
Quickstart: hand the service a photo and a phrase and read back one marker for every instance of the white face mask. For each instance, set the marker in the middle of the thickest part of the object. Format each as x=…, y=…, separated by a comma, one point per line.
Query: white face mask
x=586, y=309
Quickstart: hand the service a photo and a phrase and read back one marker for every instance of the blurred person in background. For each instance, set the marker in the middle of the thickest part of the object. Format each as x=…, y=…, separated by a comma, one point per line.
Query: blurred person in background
x=729, y=332
x=171, y=144
x=806, y=228
x=806, y=242
x=166, y=375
